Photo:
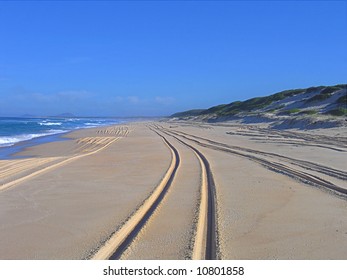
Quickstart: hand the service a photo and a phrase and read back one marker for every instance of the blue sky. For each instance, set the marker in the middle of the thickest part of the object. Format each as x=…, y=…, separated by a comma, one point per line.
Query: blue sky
x=157, y=58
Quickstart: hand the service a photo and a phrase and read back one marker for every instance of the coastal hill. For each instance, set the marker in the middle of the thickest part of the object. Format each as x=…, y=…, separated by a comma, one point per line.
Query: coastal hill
x=65, y=115
x=314, y=107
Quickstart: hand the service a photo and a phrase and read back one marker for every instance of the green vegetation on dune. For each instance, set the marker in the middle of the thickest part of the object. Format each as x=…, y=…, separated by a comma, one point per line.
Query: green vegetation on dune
x=324, y=94
x=308, y=112
x=215, y=109
x=342, y=100
x=319, y=97
x=249, y=105
x=313, y=89
x=259, y=103
x=287, y=93
x=341, y=86
x=194, y=112
x=328, y=90
x=338, y=112
x=291, y=111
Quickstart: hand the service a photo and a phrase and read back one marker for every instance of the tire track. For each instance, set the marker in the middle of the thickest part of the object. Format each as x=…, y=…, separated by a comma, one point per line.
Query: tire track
x=206, y=238
x=61, y=161
x=18, y=171
x=276, y=167
x=291, y=140
x=339, y=174
x=120, y=240
x=318, y=138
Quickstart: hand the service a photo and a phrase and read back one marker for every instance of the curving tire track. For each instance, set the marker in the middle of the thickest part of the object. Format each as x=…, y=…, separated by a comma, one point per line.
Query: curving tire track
x=322, y=141
x=276, y=167
x=120, y=240
x=339, y=174
x=206, y=238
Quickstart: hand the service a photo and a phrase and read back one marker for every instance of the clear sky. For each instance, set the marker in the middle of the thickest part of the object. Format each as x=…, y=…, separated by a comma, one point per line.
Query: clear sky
x=159, y=57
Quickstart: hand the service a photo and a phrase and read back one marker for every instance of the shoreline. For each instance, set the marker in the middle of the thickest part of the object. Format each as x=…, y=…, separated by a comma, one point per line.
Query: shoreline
x=11, y=152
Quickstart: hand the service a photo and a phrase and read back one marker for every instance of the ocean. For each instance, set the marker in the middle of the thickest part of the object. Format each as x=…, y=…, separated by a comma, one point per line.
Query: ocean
x=16, y=130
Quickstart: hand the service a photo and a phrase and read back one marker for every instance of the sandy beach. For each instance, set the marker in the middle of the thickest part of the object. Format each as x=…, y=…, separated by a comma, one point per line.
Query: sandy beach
x=178, y=190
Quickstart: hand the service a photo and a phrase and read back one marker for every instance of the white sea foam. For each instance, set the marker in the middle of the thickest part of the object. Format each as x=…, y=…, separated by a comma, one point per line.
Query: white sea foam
x=14, y=130
x=7, y=141
x=50, y=123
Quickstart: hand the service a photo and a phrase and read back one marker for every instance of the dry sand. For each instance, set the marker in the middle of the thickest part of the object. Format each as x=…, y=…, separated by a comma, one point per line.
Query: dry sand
x=70, y=199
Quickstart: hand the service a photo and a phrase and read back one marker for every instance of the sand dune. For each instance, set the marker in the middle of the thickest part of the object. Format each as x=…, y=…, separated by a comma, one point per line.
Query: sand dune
x=178, y=191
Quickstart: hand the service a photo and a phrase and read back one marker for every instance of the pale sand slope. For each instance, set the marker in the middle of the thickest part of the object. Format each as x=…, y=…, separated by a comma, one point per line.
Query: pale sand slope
x=66, y=212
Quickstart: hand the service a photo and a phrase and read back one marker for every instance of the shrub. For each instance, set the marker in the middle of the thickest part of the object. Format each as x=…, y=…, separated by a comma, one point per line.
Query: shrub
x=319, y=97
x=341, y=86
x=329, y=90
x=338, y=112
x=313, y=89
x=291, y=111
x=324, y=94
x=308, y=112
x=342, y=100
